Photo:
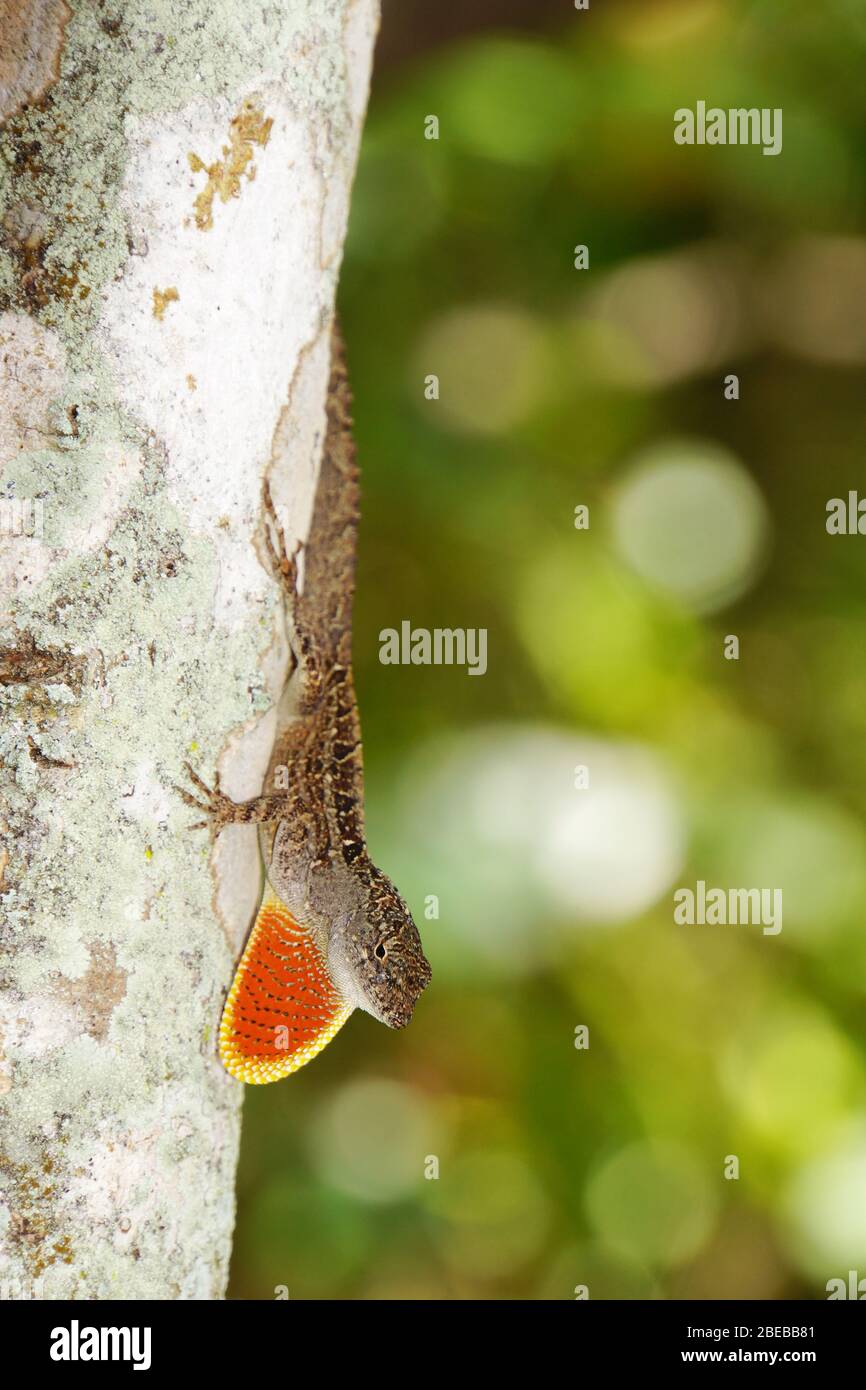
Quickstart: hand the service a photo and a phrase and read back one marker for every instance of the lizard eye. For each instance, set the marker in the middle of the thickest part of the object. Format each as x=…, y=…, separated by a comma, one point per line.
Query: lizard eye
x=380, y=951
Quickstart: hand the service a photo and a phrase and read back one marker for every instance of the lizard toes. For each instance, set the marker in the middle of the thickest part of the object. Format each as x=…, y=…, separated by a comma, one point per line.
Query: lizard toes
x=189, y=799
x=198, y=781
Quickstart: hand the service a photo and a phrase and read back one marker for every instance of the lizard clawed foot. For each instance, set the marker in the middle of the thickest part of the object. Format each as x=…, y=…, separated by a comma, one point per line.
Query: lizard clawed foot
x=284, y=562
x=218, y=809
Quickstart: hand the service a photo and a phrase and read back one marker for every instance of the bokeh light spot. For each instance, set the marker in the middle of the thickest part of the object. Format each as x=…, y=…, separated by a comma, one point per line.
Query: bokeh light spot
x=370, y=1140
x=510, y=101
x=690, y=520
x=493, y=364
x=794, y=1079
x=826, y=1207
x=499, y=818
x=651, y=1202
x=817, y=299
x=673, y=317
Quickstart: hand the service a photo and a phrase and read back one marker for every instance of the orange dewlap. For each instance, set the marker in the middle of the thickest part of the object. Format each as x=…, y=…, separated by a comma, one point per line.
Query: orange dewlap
x=283, y=1006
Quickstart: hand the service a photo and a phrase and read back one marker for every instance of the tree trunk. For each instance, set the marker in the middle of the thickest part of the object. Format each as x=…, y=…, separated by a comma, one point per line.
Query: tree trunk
x=174, y=184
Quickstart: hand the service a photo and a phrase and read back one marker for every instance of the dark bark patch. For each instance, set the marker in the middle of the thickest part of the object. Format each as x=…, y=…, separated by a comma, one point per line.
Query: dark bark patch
x=32, y=37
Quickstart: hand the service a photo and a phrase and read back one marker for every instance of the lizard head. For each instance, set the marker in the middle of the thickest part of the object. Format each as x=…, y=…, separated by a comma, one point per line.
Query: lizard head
x=379, y=958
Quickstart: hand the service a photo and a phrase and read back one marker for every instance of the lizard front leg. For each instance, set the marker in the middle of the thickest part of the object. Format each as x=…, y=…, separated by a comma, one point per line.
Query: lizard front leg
x=285, y=565
x=219, y=810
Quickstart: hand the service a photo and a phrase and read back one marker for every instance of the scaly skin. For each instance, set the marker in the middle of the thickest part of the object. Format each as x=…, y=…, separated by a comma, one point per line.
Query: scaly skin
x=312, y=833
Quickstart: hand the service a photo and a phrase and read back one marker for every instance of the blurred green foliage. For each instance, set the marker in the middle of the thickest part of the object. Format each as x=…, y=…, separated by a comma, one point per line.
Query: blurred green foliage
x=605, y=1167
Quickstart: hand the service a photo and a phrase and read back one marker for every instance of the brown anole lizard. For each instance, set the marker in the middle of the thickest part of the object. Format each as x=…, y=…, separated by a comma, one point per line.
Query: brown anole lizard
x=332, y=933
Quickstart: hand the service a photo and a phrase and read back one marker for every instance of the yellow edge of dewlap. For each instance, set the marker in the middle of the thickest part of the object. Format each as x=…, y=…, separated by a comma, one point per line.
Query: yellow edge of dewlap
x=259, y=1071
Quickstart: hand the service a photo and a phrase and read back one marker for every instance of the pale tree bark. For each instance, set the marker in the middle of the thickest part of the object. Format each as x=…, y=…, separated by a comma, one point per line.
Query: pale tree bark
x=174, y=183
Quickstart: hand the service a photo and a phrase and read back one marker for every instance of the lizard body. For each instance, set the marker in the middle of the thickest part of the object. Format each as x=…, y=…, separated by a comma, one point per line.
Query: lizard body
x=332, y=932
